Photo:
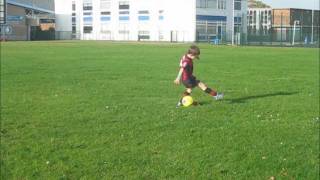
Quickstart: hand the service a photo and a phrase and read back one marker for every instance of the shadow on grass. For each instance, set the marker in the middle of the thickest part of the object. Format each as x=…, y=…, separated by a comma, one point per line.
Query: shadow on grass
x=201, y=103
x=244, y=99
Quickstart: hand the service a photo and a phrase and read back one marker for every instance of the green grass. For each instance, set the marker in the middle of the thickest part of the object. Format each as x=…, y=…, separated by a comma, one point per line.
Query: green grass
x=99, y=110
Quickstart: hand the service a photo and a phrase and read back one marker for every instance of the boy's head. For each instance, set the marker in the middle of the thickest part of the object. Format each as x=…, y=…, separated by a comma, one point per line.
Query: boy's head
x=194, y=52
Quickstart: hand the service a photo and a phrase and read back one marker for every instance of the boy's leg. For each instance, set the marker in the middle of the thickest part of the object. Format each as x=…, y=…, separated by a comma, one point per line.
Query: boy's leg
x=187, y=92
x=213, y=93
x=205, y=88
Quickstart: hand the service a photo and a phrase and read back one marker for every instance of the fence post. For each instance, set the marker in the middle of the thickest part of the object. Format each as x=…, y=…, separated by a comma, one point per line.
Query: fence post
x=281, y=29
x=312, y=15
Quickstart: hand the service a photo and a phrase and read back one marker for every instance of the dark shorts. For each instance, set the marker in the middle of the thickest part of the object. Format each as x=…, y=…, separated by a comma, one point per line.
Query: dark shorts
x=190, y=83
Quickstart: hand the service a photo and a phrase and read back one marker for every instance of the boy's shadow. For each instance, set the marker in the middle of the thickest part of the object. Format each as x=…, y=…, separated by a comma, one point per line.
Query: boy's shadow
x=244, y=99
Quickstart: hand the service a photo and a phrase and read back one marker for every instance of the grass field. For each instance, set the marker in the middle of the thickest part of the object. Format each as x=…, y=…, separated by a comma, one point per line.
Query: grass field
x=99, y=110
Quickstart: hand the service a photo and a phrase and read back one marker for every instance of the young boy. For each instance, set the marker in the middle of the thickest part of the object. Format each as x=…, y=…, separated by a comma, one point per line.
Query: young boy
x=186, y=77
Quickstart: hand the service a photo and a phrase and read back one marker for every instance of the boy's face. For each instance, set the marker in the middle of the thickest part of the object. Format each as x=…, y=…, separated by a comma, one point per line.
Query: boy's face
x=193, y=57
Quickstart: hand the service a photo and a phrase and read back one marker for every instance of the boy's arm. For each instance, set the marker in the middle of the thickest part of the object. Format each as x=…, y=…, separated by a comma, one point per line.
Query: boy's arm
x=177, y=80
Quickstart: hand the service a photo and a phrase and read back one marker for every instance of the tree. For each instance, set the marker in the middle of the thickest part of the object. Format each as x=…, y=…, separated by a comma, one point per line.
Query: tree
x=257, y=4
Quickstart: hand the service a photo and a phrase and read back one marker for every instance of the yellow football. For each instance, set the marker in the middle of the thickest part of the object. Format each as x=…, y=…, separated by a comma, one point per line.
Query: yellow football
x=187, y=101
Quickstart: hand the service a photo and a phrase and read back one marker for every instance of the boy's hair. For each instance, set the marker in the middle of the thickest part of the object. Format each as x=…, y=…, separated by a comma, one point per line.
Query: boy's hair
x=194, y=50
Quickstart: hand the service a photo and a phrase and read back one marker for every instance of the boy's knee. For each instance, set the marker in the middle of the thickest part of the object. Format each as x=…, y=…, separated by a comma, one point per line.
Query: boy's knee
x=202, y=86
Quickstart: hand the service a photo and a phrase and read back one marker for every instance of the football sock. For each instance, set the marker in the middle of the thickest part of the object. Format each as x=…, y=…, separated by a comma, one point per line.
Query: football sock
x=184, y=94
x=210, y=91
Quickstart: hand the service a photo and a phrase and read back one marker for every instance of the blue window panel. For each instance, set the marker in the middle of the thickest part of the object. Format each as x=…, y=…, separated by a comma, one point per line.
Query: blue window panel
x=161, y=18
x=211, y=18
x=105, y=18
x=87, y=19
x=124, y=18
x=237, y=19
x=144, y=18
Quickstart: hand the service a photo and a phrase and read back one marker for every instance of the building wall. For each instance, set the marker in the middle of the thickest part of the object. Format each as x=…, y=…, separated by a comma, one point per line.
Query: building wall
x=63, y=19
x=259, y=19
x=281, y=17
x=316, y=18
x=44, y=5
x=304, y=16
x=226, y=15
x=306, y=27
x=167, y=20
x=177, y=22
x=17, y=20
x=24, y=16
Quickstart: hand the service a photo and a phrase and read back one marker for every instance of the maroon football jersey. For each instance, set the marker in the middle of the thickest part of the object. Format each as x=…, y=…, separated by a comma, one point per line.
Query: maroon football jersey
x=187, y=65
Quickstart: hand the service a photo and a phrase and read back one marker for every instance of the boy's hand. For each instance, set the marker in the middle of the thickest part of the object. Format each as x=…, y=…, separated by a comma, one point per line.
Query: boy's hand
x=177, y=81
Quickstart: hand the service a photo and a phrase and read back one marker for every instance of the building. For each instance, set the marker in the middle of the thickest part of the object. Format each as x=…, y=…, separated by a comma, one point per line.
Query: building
x=2, y=12
x=259, y=21
x=26, y=19
x=297, y=24
x=151, y=20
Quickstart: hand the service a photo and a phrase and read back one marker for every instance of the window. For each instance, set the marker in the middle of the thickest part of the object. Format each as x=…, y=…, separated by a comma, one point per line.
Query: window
x=106, y=13
x=2, y=11
x=124, y=5
x=143, y=12
x=201, y=3
x=222, y=4
x=74, y=20
x=143, y=35
x=212, y=4
x=237, y=28
x=87, y=6
x=105, y=18
x=124, y=12
x=87, y=29
x=87, y=13
x=124, y=18
x=161, y=17
x=201, y=28
x=237, y=4
x=237, y=20
x=143, y=18
x=73, y=6
x=210, y=29
x=143, y=15
x=74, y=29
x=87, y=20
x=47, y=21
